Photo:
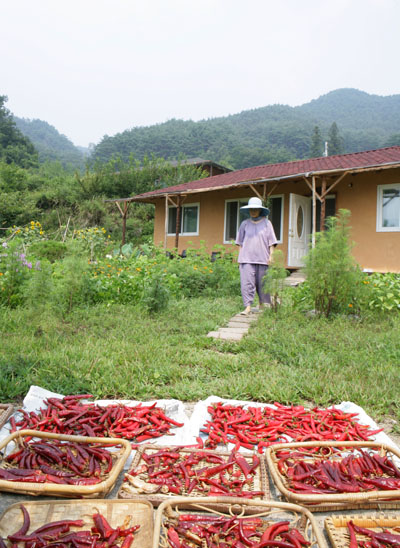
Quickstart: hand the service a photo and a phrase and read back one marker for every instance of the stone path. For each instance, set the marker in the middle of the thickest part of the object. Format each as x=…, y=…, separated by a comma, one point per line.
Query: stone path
x=236, y=328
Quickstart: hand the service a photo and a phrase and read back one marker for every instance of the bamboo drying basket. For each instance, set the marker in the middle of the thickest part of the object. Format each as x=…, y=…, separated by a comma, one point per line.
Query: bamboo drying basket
x=6, y=410
x=259, y=483
x=271, y=511
x=52, y=489
x=115, y=511
x=338, y=533
x=335, y=501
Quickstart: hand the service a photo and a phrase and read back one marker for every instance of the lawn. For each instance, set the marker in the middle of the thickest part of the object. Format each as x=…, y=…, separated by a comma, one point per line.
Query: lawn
x=120, y=351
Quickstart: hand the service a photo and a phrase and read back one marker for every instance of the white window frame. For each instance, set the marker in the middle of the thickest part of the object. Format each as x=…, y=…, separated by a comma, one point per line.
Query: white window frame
x=197, y=204
x=246, y=201
x=379, y=210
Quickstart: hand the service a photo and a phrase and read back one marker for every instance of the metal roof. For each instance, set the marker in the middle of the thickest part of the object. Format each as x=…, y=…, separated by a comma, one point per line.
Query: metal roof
x=357, y=161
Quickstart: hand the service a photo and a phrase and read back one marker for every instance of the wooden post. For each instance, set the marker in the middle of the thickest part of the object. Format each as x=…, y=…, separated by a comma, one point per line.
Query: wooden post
x=178, y=218
x=314, y=213
x=323, y=201
x=124, y=216
x=166, y=222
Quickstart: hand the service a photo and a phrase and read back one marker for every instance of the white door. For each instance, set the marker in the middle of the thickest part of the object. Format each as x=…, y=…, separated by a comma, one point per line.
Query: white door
x=299, y=229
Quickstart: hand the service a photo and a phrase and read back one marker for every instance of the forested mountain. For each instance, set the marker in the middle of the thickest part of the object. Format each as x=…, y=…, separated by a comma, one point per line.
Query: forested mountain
x=15, y=148
x=50, y=144
x=274, y=133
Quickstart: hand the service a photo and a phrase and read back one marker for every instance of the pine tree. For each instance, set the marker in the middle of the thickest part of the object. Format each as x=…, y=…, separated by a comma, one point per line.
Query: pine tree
x=335, y=141
x=317, y=146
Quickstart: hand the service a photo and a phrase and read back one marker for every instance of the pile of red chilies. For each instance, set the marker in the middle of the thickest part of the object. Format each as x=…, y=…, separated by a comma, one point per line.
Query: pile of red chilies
x=255, y=426
x=71, y=416
x=351, y=474
x=194, y=530
x=207, y=473
x=57, y=534
x=58, y=462
x=382, y=539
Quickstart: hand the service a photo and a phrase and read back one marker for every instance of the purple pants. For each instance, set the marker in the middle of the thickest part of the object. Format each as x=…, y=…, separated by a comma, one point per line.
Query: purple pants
x=251, y=280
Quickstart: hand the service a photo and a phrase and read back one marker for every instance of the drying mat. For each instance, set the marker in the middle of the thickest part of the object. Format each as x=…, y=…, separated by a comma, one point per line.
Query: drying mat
x=6, y=410
x=338, y=532
x=258, y=483
x=270, y=510
x=101, y=489
x=115, y=511
x=335, y=501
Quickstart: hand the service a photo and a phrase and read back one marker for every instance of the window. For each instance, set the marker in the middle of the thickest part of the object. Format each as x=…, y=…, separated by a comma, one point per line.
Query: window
x=234, y=216
x=330, y=211
x=388, y=214
x=189, y=221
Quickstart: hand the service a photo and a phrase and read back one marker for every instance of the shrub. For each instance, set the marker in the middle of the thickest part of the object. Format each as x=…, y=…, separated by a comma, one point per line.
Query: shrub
x=274, y=279
x=49, y=249
x=383, y=292
x=333, y=277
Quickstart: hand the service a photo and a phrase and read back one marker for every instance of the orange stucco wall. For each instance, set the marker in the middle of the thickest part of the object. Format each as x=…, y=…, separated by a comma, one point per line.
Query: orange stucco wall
x=378, y=251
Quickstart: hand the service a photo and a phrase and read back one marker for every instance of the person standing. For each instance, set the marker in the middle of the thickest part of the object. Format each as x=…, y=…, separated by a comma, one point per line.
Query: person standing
x=256, y=238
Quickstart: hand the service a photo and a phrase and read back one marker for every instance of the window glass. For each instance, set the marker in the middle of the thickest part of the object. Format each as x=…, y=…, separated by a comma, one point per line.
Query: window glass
x=172, y=220
x=187, y=222
x=231, y=220
x=275, y=215
x=391, y=207
x=190, y=219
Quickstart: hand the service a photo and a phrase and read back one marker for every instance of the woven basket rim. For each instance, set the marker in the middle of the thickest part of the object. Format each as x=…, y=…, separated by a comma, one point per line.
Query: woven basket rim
x=157, y=498
x=372, y=497
x=267, y=505
x=67, y=490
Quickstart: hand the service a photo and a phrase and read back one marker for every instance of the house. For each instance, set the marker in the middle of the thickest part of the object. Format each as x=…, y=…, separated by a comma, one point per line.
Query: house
x=300, y=195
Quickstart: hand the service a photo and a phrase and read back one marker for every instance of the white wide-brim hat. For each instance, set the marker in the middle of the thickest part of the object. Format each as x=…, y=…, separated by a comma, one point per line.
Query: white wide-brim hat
x=256, y=203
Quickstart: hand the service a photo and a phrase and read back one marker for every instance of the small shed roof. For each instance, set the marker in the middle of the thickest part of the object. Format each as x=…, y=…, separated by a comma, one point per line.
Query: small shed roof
x=357, y=161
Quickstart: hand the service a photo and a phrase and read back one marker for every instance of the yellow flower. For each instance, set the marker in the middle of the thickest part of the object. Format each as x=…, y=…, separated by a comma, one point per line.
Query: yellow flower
x=350, y=306
x=109, y=266
x=210, y=270
x=1, y=273
x=138, y=269
x=195, y=267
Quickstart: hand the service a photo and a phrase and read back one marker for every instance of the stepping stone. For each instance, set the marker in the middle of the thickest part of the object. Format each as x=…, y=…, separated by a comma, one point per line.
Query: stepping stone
x=231, y=336
x=233, y=329
x=238, y=324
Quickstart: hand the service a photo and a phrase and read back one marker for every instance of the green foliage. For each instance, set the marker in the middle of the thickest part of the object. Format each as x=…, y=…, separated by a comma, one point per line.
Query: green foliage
x=15, y=148
x=71, y=286
x=317, y=145
x=333, y=277
x=335, y=141
x=50, y=144
x=274, y=279
x=14, y=271
x=155, y=294
x=270, y=134
x=49, y=250
x=383, y=292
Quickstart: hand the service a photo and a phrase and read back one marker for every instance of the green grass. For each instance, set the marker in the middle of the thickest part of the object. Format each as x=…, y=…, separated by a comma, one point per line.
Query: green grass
x=119, y=351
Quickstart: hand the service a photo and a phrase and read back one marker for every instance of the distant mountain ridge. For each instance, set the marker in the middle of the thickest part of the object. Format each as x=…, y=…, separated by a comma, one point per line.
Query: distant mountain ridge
x=274, y=133
x=270, y=134
x=50, y=144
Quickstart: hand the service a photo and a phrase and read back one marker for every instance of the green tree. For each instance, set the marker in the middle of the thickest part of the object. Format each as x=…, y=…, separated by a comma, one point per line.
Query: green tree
x=317, y=145
x=335, y=141
x=15, y=148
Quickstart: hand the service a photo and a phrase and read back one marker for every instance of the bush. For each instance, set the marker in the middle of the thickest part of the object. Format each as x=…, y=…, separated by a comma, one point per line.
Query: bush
x=49, y=250
x=383, y=292
x=333, y=277
x=274, y=279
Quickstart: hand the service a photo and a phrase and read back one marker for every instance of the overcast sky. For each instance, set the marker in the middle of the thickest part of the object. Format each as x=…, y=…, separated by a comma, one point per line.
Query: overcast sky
x=96, y=67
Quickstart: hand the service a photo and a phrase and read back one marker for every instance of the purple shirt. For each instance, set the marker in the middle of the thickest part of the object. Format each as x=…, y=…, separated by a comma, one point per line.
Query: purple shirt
x=255, y=239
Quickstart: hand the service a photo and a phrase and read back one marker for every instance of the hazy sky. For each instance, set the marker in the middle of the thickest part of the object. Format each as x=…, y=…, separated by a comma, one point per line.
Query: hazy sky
x=96, y=67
